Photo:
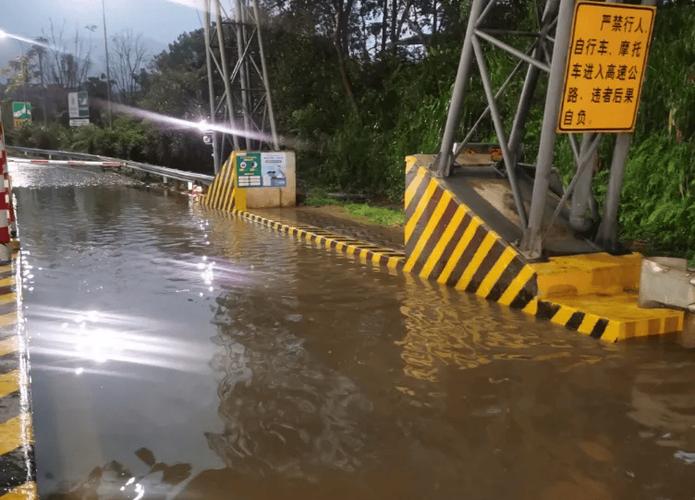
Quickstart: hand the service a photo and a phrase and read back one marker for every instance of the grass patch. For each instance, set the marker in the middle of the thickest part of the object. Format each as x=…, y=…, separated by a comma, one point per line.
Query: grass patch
x=384, y=216
x=319, y=199
x=379, y=215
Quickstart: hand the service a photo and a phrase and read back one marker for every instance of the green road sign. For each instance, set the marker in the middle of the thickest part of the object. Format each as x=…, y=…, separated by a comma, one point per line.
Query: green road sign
x=248, y=170
x=21, y=113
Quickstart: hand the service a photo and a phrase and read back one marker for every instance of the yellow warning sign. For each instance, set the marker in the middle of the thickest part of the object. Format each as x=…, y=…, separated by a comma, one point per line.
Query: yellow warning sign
x=605, y=67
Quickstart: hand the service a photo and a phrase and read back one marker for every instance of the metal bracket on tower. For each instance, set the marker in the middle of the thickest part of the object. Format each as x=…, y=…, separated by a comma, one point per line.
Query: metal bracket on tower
x=546, y=53
x=235, y=61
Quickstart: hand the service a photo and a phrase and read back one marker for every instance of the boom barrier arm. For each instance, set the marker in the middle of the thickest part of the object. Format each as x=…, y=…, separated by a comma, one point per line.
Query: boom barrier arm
x=166, y=172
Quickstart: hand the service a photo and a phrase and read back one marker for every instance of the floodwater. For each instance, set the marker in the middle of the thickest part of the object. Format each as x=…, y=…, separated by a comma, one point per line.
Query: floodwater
x=177, y=353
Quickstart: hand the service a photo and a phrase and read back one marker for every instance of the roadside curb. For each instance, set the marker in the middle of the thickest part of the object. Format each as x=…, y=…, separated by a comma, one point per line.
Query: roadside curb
x=365, y=252
x=17, y=467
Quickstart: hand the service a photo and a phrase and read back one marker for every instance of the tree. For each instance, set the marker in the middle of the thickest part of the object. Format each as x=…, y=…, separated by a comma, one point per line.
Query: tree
x=129, y=62
x=69, y=58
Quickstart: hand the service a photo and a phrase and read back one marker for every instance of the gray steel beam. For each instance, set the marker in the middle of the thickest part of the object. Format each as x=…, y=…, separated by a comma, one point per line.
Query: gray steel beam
x=486, y=111
x=485, y=12
x=242, y=69
x=266, y=81
x=225, y=73
x=513, y=51
x=211, y=87
x=532, y=244
x=582, y=164
x=443, y=160
x=529, y=87
x=499, y=130
x=607, y=235
x=581, y=197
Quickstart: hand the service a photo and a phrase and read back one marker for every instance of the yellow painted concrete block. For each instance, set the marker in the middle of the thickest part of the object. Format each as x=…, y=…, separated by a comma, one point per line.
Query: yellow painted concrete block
x=598, y=273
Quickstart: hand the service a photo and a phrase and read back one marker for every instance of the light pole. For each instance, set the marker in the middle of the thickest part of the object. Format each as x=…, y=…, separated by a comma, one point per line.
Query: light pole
x=108, y=69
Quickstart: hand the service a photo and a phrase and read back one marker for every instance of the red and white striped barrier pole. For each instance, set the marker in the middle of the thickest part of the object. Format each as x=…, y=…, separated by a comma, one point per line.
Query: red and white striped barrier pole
x=10, y=204
x=5, y=243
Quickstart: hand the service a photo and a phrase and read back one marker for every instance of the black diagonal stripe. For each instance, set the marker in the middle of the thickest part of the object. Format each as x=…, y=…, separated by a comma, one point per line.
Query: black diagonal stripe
x=410, y=176
x=7, y=274
x=8, y=307
x=432, y=241
x=8, y=331
x=9, y=362
x=6, y=289
x=486, y=266
x=467, y=255
x=526, y=294
x=16, y=468
x=599, y=328
x=575, y=320
x=423, y=220
x=449, y=249
x=416, y=197
x=506, y=278
x=10, y=406
x=546, y=310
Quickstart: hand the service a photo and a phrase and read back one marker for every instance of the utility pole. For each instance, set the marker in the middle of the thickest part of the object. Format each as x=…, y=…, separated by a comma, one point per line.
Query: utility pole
x=211, y=88
x=108, y=68
x=40, y=52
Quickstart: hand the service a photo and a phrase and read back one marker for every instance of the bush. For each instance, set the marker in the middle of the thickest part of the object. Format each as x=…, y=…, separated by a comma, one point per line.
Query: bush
x=658, y=199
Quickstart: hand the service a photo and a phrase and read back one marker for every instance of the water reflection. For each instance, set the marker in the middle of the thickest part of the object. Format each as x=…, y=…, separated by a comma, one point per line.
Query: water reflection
x=257, y=368
x=95, y=337
x=155, y=480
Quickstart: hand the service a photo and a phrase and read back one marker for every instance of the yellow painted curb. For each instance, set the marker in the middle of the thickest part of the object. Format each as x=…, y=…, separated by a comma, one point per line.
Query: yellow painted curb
x=17, y=469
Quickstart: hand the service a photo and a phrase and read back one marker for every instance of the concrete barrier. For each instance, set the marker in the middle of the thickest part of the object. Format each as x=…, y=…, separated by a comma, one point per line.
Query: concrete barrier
x=447, y=241
x=667, y=281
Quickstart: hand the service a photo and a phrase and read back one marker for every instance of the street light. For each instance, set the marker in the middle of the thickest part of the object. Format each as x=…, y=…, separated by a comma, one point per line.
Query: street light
x=108, y=69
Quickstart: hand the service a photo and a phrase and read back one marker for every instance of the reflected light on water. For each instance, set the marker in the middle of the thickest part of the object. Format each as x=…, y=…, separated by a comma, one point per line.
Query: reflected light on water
x=99, y=337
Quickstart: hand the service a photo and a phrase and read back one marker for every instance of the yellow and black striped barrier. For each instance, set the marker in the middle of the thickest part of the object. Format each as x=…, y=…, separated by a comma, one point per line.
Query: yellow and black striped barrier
x=594, y=294
x=223, y=193
x=447, y=242
x=17, y=472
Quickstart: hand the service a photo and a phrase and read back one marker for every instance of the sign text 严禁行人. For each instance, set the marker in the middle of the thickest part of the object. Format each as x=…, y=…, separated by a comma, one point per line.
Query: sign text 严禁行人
x=605, y=67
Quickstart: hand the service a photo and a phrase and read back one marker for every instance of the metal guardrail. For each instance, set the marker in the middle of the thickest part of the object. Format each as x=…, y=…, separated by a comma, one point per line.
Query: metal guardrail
x=166, y=172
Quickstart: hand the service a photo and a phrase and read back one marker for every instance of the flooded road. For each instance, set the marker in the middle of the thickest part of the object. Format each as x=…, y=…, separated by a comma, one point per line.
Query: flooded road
x=178, y=353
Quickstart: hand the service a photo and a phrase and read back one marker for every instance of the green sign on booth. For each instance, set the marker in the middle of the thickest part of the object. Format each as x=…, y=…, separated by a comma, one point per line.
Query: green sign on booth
x=256, y=170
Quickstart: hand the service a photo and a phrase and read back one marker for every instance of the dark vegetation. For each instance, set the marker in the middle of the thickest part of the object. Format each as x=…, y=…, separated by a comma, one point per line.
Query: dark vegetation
x=363, y=83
